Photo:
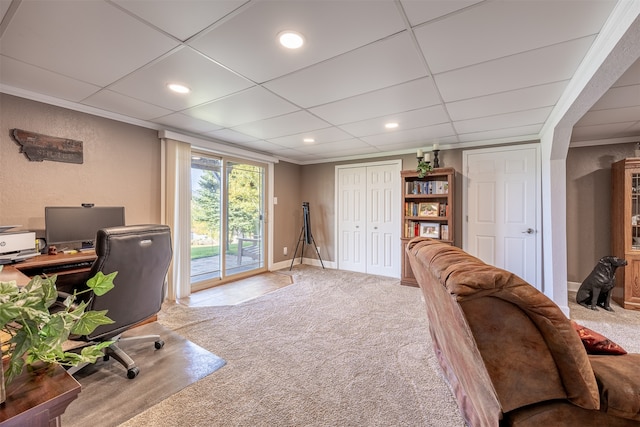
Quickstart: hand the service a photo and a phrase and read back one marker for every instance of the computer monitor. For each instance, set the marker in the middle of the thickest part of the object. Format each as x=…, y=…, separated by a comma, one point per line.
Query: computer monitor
x=79, y=224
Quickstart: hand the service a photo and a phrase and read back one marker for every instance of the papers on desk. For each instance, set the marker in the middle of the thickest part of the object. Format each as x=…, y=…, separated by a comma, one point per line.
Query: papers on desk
x=17, y=256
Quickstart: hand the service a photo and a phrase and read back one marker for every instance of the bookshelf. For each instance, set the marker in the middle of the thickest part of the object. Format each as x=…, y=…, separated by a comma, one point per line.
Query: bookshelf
x=427, y=210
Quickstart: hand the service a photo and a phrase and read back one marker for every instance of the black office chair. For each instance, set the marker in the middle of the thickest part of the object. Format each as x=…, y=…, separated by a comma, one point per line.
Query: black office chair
x=141, y=255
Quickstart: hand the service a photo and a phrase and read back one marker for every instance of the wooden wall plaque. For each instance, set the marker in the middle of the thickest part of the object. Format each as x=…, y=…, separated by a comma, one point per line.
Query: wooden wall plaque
x=39, y=147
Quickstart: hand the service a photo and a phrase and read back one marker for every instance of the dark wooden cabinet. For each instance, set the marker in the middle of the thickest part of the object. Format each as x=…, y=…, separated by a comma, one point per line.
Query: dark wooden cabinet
x=427, y=210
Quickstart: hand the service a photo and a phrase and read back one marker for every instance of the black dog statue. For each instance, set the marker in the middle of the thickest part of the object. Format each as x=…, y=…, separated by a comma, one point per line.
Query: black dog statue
x=596, y=288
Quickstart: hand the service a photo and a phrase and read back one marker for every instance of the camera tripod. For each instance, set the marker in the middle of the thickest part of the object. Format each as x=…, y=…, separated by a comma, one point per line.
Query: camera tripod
x=306, y=237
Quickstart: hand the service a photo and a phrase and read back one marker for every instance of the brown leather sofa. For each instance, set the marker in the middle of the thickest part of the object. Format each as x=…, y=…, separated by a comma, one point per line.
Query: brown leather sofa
x=510, y=355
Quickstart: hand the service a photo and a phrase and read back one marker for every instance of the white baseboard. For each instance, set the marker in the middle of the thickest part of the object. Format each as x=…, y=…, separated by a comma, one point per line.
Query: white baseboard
x=573, y=286
x=307, y=261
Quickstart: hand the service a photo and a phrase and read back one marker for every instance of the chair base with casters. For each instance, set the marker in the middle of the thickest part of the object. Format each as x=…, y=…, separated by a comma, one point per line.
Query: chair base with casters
x=121, y=356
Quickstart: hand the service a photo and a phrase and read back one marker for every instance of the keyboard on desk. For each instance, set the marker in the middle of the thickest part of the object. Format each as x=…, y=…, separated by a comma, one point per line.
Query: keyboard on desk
x=65, y=267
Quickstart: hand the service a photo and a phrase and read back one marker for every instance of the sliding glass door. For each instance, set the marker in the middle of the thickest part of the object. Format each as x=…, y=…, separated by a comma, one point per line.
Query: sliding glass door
x=227, y=220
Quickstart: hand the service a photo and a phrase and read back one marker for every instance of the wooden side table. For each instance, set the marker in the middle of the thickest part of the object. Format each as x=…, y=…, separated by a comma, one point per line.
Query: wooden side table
x=38, y=399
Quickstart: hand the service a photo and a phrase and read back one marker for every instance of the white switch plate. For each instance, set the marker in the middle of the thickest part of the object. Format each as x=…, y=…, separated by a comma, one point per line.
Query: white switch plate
x=275, y=200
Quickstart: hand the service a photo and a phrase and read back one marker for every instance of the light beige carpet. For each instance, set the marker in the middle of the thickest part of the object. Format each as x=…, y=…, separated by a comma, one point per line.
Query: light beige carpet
x=333, y=349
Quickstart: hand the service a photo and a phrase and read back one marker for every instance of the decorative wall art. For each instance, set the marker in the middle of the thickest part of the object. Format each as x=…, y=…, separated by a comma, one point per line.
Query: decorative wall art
x=37, y=147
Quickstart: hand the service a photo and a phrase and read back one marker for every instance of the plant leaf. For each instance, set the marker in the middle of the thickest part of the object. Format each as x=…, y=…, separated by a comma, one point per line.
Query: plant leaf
x=101, y=284
x=90, y=321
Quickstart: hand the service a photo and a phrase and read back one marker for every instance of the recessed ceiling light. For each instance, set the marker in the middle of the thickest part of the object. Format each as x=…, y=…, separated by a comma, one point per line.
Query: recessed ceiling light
x=178, y=88
x=291, y=39
x=308, y=140
x=391, y=125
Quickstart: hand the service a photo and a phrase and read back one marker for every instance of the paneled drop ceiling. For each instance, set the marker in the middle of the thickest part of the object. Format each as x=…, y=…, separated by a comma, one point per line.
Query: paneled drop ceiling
x=453, y=72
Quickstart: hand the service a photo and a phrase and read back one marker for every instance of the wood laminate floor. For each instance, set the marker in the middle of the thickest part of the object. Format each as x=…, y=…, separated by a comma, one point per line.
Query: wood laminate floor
x=238, y=291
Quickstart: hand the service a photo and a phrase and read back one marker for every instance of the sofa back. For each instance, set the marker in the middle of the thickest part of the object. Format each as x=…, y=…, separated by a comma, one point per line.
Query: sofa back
x=502, y=344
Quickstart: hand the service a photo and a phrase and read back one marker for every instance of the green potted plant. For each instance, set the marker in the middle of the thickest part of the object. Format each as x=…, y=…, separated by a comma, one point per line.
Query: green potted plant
x=37, y=333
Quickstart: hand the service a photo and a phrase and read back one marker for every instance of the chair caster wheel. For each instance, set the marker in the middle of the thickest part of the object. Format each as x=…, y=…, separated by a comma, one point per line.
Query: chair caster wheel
x=105, y=358
x=133, y=372
x=159, y=344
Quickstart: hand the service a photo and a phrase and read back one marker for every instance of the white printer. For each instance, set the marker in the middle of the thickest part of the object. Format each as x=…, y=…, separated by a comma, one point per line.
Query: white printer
x=16, y=246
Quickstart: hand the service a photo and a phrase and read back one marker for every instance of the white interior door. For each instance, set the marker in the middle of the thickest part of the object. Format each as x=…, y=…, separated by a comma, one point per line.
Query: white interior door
x=368, y=219
x=501, y=194
x=352, y=187
x=383, y=213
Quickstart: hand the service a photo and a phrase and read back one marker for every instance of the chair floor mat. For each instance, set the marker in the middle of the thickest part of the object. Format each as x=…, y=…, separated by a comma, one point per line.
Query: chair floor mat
x=109, y=398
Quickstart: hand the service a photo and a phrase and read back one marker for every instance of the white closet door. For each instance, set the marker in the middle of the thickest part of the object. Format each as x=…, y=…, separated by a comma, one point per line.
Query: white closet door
x=383, y=216
x=352, y=219
x=368, y=220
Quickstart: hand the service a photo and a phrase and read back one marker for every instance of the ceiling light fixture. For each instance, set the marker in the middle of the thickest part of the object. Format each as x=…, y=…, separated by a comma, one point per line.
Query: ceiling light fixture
x=308, y=140
x=391, y=125
x=291, y=39
x=178, y=88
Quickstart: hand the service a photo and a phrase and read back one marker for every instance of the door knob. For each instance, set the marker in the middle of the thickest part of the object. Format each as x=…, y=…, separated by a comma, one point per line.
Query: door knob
x=529, y=231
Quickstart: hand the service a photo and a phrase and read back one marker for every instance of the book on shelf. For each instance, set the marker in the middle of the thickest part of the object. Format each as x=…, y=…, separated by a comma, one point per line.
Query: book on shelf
x=444, y=232
x=427, y=187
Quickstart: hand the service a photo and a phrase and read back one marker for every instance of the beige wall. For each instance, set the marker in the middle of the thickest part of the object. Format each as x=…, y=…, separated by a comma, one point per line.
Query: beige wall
x=121, y=166
x=287, y=219
x=318, y=188
x=589, y=204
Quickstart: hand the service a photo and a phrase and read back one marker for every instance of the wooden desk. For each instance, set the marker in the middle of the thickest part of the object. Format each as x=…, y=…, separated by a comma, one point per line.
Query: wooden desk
x=39, y=399
x=70, y=268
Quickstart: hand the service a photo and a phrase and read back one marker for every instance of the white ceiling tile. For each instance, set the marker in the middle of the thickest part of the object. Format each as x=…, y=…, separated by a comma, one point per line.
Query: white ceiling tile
x=418, y=135
x=507, y=63
x=403, y=97
x=231, y=135
x=261, y=145
x=247, y=106
x=523, y=133
x=181, y=18
x=320, y=136
x=385, y=63
x=207, y=80
x=288, y=124
x=620, y=96
x=247, y=42
x=181, y=121
x=77, y=39
x=503, y=121
x=407, y=120
x=498, y=29
x=612, y=115
x=4, y=7
x=514, y=72
x=605, y=131
x=419, y=11
x=35, y=79
x=505, y=102
x=333, y=147
x=631, y=76
x=117, y=103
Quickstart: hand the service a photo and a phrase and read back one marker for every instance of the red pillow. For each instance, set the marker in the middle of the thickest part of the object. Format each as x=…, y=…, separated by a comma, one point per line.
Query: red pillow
x=595, y=343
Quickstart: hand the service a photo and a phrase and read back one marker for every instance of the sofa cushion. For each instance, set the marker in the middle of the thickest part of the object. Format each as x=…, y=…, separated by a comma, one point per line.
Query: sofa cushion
x=596, y=343
x=618, y=379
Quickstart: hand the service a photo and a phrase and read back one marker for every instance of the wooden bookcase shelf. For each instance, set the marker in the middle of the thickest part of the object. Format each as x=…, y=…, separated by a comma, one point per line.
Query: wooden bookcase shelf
x=427, y=210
